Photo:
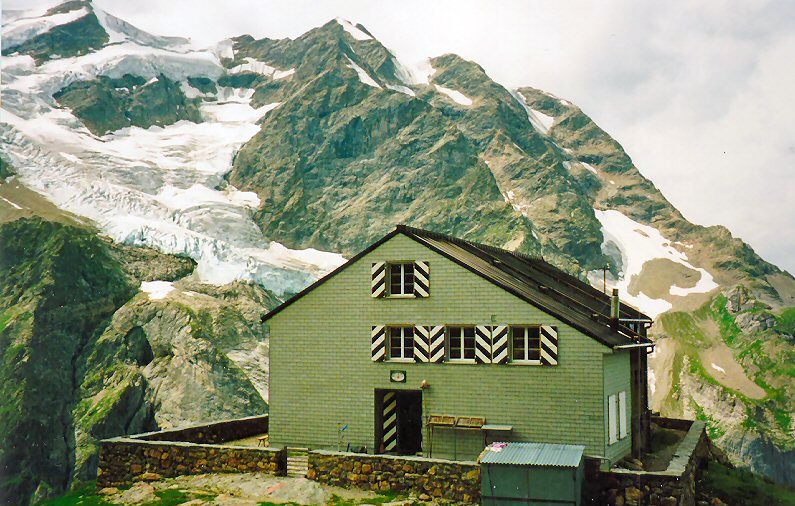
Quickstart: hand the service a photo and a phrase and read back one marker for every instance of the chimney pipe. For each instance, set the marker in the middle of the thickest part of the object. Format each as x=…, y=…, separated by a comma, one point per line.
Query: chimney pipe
x=615, y=306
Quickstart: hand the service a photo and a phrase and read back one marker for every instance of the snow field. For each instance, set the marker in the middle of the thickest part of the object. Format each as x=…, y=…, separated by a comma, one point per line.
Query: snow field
x=639, y=244
x=456, y=96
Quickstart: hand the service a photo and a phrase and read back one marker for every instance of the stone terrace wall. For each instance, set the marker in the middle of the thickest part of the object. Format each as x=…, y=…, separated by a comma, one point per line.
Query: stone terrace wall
x=673, y=487
x=457, y=482
x=123, y=461
x=189, y=450
x=212, y=433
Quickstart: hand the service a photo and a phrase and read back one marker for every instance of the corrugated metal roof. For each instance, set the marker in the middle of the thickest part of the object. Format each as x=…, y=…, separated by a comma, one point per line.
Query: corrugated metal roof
x=534, y=454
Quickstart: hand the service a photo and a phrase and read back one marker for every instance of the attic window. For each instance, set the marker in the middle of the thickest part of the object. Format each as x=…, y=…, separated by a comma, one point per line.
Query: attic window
x=401, y=279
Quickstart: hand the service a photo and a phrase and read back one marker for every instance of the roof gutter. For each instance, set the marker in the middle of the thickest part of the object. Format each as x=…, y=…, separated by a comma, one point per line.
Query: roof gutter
x=633, y=345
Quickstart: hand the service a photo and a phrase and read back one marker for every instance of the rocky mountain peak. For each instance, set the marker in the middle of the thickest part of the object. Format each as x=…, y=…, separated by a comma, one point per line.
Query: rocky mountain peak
x=271, y=160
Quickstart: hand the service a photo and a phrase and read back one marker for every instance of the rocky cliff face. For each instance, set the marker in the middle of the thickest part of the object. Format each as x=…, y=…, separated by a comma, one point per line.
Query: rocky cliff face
x=84, y=357
x=58, y=286
x=730, y=363
x=333, y=141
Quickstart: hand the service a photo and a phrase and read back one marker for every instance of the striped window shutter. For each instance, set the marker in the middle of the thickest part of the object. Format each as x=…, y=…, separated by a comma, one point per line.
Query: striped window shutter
x=378, y=279
x=422, y=343
x=378, y=343
x=549, y=345
x=437, y=344
x=483, y=344
x=422, y=278
x=499, y=344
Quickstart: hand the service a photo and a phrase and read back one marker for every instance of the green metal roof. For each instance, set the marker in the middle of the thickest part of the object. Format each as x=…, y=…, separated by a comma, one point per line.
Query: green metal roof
x=533, y=454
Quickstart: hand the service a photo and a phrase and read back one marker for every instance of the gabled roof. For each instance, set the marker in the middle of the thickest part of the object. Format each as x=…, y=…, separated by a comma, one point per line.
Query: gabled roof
x=531, y=279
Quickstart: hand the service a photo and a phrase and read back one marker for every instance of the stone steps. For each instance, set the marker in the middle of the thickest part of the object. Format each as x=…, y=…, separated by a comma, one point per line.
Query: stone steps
x=297, y=462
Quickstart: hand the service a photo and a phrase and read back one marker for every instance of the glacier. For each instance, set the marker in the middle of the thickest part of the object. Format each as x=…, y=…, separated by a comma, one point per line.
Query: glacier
x=161, y=187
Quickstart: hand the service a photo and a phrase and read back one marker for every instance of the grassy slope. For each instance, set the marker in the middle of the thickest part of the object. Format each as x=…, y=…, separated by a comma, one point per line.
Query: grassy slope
x=738, y=487
x=768, y=353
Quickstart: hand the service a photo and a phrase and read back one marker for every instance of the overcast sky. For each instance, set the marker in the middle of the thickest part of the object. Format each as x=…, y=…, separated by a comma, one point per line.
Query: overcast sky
x=701, y=94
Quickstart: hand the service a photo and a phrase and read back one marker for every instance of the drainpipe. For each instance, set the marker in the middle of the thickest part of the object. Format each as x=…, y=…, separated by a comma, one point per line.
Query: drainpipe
x=615, y=305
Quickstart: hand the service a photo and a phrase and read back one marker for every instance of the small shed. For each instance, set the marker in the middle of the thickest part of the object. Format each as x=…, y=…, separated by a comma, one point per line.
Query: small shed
x=531, y=473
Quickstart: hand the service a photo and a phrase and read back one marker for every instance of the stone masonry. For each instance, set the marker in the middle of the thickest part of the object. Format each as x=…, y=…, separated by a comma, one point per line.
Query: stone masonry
x=675, y=486
x=212, y=433
x=196, y=449
x=123, y=461
x=455, y=482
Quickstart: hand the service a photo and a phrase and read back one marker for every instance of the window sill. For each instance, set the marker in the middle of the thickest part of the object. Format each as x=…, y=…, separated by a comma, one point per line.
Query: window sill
x=400, y=360
x=401, y=296
x=461, y=361
x=524, y=362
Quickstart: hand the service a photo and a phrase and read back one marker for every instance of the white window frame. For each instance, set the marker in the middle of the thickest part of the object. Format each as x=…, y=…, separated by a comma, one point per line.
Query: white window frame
x=622, y=415
x=402, y=267
x=526, y=339
x=450, y=338
x=612, y=419
x=403, y=340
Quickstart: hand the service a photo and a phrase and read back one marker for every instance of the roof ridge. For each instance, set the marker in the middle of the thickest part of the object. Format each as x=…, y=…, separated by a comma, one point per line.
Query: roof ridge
x=537, y=263
x=458, y=240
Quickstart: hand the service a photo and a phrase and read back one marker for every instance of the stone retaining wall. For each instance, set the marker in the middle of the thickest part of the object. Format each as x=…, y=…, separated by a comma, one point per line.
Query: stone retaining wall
x=212, y=433
x=457, y=482
x=123, y=461
x=196, y=449
x=673, y=487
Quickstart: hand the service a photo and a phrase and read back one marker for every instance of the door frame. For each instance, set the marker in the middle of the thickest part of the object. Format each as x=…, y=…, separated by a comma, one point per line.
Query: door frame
x=378, y=432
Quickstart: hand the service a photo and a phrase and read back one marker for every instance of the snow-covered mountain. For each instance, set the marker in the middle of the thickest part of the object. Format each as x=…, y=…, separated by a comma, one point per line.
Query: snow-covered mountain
x=272, y=160
x=160, y=186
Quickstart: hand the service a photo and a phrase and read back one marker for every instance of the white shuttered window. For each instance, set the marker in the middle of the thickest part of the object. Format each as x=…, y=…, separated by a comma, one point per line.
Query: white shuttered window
x=622, y=415
x=612, y=419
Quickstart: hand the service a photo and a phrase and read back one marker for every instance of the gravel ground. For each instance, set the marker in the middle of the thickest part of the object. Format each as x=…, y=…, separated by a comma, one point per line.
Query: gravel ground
x=240, y=490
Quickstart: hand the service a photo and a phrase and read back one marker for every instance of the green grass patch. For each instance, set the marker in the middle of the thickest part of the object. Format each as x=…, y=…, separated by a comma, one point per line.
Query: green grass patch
x=169, y=498
x=738, y=486
x=380, y=499
x=786, y=321
x=714, y=430
x=5, y=316
x=728, y=329
x=684, y=326
x=84, y=495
